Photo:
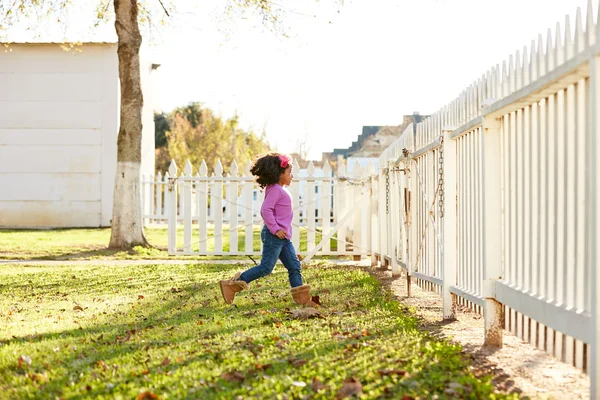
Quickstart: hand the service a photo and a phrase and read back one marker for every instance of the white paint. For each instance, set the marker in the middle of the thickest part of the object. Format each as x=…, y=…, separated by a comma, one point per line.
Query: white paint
x=58, y=134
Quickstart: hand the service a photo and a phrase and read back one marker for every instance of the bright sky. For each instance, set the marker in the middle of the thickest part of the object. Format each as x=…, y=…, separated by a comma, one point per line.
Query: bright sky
x=367, y=62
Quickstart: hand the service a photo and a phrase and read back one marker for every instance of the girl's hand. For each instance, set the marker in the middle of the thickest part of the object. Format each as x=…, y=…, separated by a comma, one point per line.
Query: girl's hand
x=281, y=234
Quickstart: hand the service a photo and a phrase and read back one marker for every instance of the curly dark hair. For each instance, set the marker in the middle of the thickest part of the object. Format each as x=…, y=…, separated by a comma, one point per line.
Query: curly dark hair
x=267, y=169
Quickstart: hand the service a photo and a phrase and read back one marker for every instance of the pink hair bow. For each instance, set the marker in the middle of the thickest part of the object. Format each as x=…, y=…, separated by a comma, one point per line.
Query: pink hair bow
x=284, y=161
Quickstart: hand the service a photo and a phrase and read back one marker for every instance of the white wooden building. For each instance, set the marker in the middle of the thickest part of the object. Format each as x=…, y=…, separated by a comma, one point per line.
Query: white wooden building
x=59, y=120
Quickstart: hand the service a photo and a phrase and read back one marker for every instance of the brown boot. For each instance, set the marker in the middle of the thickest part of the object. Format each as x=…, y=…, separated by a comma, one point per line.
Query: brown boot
x=301, y=295
x=231, y=286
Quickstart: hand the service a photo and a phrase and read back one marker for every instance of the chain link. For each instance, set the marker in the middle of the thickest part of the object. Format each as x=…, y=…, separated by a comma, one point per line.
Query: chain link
x=441, y=178
x=387, y=190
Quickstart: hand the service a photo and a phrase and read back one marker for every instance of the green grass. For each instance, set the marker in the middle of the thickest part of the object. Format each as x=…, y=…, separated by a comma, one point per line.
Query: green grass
x=118, y=332
x=90, y=244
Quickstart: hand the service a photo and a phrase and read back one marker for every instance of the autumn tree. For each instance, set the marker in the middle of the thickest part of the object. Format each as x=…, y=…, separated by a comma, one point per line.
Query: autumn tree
x=128, y=15
x=196, y=133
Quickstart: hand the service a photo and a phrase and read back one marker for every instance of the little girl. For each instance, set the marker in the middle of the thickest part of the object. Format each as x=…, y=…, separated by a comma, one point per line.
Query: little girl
x=273, y=171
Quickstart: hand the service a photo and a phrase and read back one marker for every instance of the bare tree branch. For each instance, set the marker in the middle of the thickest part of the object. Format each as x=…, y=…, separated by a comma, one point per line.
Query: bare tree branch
x=163, y=6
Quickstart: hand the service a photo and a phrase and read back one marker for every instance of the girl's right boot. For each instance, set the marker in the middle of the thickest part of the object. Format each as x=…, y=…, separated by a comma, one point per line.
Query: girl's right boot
x=301, y=295
x=232, y=286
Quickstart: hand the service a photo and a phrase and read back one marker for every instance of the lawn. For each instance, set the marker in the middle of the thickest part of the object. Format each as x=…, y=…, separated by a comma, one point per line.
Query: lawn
x=162, y=331
x=91, y=244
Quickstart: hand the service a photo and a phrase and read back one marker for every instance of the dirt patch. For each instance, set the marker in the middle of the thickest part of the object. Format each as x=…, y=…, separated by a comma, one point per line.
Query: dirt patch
x=517, y=367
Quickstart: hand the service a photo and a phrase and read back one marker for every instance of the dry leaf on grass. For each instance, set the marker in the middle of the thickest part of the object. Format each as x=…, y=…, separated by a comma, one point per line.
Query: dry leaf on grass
x=233, y=376
x=297, y=362
x=317, y=385
x=78, y=308
x=147, y=396
x=24, y=361
x=349, y=388
x=306, y=313
x=388, y=372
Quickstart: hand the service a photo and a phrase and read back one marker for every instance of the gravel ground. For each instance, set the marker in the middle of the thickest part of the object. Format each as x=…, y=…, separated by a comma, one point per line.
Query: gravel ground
x=517, y=367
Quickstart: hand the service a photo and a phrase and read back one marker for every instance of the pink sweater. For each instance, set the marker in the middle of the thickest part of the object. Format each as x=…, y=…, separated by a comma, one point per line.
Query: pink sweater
x=276, y=210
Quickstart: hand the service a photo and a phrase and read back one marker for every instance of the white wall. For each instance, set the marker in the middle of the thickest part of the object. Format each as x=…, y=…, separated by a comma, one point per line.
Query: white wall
x=59, y=120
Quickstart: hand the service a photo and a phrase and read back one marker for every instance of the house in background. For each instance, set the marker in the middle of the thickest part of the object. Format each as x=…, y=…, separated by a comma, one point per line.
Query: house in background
x=59, y=121
x=371, y=143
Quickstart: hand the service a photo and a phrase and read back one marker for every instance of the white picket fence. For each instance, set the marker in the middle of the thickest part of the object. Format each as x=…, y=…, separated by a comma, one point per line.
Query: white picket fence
x=217, y=211
x=492, y=202
x=513, y=162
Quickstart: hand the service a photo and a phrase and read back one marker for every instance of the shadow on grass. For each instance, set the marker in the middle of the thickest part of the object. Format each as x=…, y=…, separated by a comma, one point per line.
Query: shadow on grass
x=483, y=365
x=158, y=328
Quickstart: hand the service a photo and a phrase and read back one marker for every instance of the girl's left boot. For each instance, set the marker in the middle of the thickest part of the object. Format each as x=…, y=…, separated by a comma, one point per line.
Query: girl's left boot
x=301, y=295
x=232, y=286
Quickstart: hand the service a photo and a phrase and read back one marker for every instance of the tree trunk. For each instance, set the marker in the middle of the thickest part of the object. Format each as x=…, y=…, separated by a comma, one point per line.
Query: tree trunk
x=127, y=223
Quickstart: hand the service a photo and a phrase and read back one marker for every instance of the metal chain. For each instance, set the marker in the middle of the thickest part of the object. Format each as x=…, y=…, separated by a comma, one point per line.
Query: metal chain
x=387, y=190
x=441, y=178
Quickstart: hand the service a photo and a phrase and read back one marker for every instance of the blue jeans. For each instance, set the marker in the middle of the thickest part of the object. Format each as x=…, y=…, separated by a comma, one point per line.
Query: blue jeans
x=273, y=249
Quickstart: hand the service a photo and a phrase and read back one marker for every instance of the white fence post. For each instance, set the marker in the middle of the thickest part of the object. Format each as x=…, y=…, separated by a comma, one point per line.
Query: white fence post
x=356, y=195
x=295, y=190
x=216, y=206
x=592, y=219
x=325, y=204
x=368, y=210
x=340, y=206
x=233, y=209
x=492, y=230
x=450, y=233
x=248, y=202
x=202, y=204
x=373, y=213
x=186, y=184
x=172, y=211
x=395, y=228
x=310, y=206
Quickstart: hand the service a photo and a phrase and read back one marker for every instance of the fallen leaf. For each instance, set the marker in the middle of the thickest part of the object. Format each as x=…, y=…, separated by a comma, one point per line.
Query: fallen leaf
x=140, y=296
x=298, y=383
x=317, y=385
x=296, y=362
x=165, y=362
x=24, y=360
x=388, y=372
x=38, y=377
x=306, y=313
x=78, y=308
x=233, y=376
x=147, y=396
x=206, y=303
x=349, y=388
x=316, y=300
x=262, y=367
